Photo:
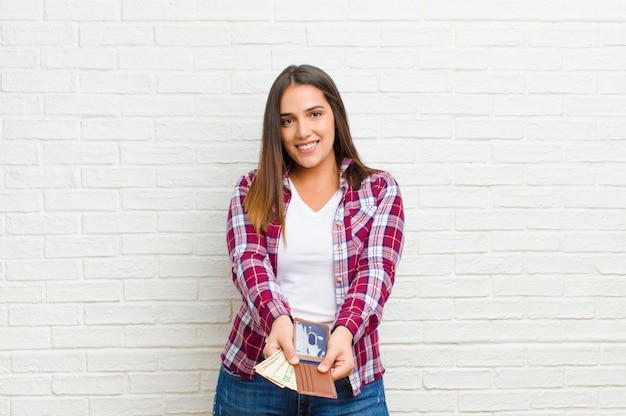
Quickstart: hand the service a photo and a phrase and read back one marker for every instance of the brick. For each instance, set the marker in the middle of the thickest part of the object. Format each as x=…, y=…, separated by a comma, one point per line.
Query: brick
x=192, y=35
x=19, y=154
x=27, y=178
x=126, y=177
x=96, y=385
x=451, y=58
x=506, y=264
x=42, y=129
x=120, y=268
x=119, y=315
x=156, y=154
x=23, y=10
x=481, y=355
x=94, y=10
x=38, y=34
x=126, y=405
x=48, y=362
x=116, y=129
x=457, y=10
x=154, y=106
x=537, y=286
x=453, y=198
x=238, y=57
x=25, y=385
x=21, y=294
x=115, y=34
x=343, y=35
x=485, y=175
x=44, y=270
x=479, y=34
x=525, y=241
x=431, y=310
x=18, y=58
x=520, y=10
x=441, y=243
x=81, y=201
x=122, y=223
x=466, y=309
x=82, y=105
x=115, y=83
x=38, y=82
x=456, y=332
x=151, y=58
x=57, y=292
x=186, y=267
x=155, y=336
x=562, y=399
x=273, y=33
x=71, y=247
x=416, y=81
x=57, y=406
x=492, y=401
x=457, y=104
x=142, y=10
x=528, y=59
x=193, y=130
x=426, y=34
x=526, y=153
x=306, y=12
x=205, y=84
x=162, y=200
x=483, y=129
x=476, y=83
x=461, y=152
x=42, y=224
x=83, y=58
x=45, y=315
x=86, y=337
x=135, y=244
x=14, y=248
x=457, y=379
x=190, y=313
x=12, y=104
x=564, y=36
x=13, y=339
x=139, y=290
x=191, y=222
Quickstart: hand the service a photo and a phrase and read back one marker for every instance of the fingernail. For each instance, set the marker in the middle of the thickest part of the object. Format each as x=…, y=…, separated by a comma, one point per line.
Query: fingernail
x=323, y=368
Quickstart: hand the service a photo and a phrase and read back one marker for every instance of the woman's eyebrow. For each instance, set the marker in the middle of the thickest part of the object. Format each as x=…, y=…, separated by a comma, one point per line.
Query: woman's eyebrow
x=315, y=107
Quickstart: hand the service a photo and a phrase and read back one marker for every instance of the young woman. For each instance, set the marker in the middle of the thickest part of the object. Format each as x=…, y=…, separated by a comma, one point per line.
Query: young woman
x=315, y=234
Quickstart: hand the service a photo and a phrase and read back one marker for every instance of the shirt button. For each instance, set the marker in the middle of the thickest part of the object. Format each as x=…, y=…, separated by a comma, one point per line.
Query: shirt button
x=339, y=280
x=339, y=246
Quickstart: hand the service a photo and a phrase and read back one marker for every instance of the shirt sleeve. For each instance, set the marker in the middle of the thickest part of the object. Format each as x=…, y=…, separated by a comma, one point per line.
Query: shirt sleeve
x=362, y=309
x=252, y=271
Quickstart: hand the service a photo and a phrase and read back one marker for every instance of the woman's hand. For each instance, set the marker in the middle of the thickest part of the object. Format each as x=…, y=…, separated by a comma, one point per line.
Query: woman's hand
x=339, y=357
x=281, y=338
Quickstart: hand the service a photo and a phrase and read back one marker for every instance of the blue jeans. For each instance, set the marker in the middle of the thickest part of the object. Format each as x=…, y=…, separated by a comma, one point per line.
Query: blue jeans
x=235, y=396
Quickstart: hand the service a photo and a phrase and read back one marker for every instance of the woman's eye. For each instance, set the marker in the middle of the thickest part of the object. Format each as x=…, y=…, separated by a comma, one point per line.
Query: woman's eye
x=286, y=121
x=315, y=114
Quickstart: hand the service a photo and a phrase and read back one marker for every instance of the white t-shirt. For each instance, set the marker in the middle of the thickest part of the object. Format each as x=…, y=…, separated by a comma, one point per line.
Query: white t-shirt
x=305, y=263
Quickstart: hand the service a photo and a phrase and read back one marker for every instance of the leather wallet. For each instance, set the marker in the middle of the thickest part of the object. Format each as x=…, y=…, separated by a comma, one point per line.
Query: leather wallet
x=311, y=339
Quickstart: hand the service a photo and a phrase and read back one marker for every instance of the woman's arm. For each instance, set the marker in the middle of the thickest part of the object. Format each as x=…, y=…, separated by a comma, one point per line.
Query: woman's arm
x=362, y=309
x=252, y=270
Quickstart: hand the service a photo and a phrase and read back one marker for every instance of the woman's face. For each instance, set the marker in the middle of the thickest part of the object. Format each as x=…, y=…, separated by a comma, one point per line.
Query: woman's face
x=307, y=128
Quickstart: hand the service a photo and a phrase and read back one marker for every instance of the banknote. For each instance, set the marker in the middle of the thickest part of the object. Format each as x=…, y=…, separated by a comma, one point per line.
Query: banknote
x=278, y=370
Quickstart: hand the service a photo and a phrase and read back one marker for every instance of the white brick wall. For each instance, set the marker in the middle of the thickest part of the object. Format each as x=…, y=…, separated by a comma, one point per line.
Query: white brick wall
x=125, y=123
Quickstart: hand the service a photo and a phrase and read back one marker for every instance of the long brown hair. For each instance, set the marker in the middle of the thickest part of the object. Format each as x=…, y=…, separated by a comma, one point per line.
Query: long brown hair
x=264, y=201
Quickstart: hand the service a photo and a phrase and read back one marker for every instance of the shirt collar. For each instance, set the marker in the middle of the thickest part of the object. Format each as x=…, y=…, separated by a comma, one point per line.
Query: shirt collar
x=343, y=182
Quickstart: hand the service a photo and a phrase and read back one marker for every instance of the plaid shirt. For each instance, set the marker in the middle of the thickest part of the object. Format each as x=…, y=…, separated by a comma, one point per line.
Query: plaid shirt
x=367, y=244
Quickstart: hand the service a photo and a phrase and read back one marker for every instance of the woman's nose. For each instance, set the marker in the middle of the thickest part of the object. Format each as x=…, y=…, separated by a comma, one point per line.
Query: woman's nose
x=304, y=130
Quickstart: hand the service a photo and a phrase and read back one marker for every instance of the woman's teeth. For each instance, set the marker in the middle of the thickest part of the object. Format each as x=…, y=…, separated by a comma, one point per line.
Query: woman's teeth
x=307, y=146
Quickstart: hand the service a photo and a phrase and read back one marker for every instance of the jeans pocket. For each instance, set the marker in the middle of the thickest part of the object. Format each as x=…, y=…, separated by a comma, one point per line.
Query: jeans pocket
x=230, y=373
